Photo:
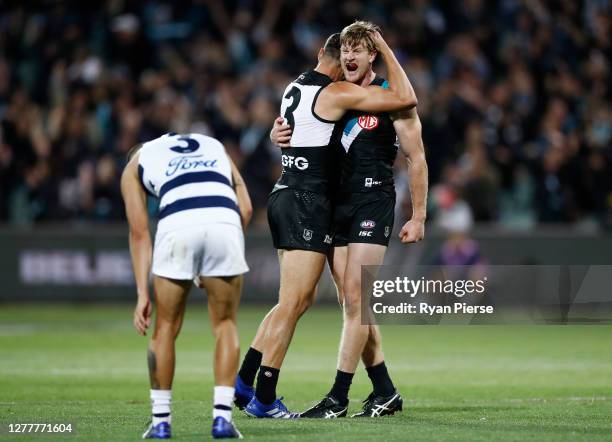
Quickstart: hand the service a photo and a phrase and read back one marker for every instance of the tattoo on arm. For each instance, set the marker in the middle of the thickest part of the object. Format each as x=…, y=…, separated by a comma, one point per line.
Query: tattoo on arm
x=151, y=360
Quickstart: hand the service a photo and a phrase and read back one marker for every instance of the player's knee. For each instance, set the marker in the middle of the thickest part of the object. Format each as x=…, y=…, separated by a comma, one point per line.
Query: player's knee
x=351, y=310
x=165, y=327
x=352, y=298
x=374, y=340
x=302, y=305
x=225, y=310
x=297, y=303
x=224, y=327
x=309, y=300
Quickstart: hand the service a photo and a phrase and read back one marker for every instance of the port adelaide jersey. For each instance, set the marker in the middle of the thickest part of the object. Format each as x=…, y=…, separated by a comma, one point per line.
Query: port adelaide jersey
x=191, y=176
x=369, y=145
x=309, y=161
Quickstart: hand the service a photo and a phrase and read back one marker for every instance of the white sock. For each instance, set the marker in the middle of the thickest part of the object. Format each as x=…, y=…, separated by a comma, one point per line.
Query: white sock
x=224, y=396
x=160, y=406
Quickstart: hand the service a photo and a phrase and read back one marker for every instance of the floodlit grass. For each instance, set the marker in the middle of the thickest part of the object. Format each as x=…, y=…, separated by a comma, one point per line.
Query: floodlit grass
x=85, y=365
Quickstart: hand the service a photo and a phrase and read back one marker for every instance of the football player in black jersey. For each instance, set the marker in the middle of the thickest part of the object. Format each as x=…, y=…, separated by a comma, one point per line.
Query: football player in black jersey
x=364, y=220
x=300, y=209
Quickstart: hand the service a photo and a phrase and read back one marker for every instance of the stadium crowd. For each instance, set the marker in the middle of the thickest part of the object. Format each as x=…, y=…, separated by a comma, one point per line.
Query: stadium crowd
x=514, y=96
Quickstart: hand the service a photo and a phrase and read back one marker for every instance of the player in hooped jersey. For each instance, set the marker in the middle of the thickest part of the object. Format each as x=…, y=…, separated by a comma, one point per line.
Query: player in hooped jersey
x=300, y=208
x=203, y=208
x=364, y=221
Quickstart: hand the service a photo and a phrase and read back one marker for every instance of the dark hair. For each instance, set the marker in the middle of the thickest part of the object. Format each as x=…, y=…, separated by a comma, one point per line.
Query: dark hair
x=332, y=46
x=133, y=151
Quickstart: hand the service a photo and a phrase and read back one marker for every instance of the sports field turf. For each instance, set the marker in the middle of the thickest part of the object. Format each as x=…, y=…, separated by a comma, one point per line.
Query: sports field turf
x=87, y=366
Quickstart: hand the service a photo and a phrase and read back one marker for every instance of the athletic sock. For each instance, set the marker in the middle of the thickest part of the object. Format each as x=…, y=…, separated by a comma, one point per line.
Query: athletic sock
x=265, y=392
x=160, y=406
x=250, y=365
x=341, y=386
x=378, y=374
x=223, y=402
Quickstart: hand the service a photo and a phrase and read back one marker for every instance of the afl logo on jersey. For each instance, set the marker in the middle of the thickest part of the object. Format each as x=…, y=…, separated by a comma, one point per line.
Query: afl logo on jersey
x=368, y=122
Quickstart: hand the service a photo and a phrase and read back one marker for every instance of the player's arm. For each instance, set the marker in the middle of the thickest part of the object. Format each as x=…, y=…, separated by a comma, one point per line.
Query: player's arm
x=408, y=129
x=242, y=194
x=135, y=201
x=397, y=78
x=345, y=96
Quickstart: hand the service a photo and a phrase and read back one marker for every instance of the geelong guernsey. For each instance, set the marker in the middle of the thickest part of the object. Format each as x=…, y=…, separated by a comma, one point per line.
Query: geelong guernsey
x=308, y=163
x=191, y=176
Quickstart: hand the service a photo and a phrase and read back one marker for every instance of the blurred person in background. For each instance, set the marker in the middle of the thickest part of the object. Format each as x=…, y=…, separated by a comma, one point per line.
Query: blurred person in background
x=459, y=257
x=521, y=70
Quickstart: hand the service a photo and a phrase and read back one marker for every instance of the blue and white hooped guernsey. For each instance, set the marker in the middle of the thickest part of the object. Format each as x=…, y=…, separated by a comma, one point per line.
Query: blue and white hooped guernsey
x=192, y=177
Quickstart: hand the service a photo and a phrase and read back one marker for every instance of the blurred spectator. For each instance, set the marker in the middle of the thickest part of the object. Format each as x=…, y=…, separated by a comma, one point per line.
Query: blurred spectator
x=514, y=97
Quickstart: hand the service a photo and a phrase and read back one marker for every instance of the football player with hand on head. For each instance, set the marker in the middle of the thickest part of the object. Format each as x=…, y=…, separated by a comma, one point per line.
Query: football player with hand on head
x=300, y=208
x=363, y=219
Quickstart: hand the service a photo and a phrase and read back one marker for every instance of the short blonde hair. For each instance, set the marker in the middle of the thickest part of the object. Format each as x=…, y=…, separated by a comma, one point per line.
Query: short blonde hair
x=357, y=33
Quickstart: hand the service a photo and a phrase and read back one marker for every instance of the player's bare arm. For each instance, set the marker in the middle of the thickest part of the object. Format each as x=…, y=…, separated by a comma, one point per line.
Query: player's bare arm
x=397, y=78
x=373, y=99
x=135, y=201
x=408, y=128
x=339, y=97
x=242, y=194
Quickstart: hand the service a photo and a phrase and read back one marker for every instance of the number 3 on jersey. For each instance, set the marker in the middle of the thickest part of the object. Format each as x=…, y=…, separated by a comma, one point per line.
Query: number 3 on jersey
x=295, y=95
x=192, y=145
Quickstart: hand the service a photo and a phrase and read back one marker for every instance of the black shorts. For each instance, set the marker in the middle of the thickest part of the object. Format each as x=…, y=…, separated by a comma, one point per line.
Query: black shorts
x=300, y=219
x=365, y=217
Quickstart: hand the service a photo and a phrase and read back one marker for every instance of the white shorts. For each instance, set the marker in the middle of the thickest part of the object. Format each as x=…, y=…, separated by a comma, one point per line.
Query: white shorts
x=203, y=250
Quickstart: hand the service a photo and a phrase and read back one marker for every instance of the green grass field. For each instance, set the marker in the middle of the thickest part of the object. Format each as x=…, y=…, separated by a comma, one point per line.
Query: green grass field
x=87, y=366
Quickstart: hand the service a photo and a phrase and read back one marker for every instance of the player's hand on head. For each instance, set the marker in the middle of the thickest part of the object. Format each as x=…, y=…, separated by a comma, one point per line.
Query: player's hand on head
x=281, y=133
x=413, y=231
x=378, y=40
x=142, y=315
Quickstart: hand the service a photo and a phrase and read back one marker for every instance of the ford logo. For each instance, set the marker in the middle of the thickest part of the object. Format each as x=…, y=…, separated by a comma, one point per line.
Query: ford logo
x=187, y=163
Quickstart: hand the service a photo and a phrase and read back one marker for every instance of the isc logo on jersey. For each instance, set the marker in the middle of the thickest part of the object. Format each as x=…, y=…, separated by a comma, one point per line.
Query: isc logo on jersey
x=299, y=162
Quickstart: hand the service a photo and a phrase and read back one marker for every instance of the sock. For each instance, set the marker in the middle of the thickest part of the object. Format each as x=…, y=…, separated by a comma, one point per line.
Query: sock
x=341, y=386
x=160, y=406
x=266, y=384
x=250, y=365
x=381, y=381
x=223, y=402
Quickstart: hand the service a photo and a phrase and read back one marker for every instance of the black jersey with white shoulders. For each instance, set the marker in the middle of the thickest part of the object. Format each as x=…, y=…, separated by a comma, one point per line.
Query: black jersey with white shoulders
x=308, y=163
x=370, y=146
